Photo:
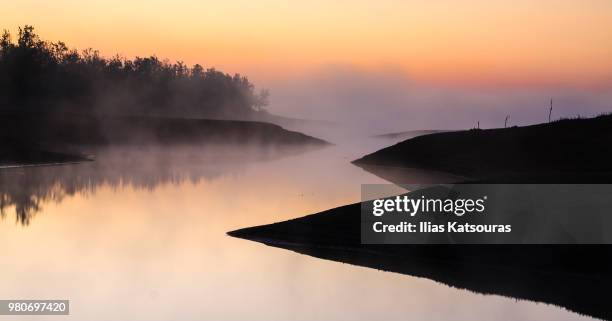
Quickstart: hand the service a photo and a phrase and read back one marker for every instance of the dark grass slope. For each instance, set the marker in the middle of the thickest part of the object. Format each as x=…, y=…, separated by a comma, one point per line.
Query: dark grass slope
x=15, y=153
x=81, y=129
x=565, y=146
x=409, y=134
x=49, y=138
x=577, y=278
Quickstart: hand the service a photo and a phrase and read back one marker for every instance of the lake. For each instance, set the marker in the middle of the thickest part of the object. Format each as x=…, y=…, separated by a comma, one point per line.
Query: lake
x=141, y=235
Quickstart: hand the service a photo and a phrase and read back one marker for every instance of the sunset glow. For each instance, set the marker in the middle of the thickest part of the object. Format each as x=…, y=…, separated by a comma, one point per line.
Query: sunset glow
x=476, y=42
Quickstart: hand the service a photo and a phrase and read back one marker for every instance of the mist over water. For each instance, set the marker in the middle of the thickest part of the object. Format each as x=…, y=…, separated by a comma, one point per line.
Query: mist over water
x=388, y=100
x=25, y=191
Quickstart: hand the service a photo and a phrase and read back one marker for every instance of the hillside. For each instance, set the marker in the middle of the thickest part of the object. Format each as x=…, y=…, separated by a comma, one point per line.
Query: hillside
x=409, y=134
x=570, y=146
x=41, y=137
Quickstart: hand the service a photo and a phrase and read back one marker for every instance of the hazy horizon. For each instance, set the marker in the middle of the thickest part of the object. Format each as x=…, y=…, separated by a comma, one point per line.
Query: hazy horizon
x=389, y=100
x=384, y=66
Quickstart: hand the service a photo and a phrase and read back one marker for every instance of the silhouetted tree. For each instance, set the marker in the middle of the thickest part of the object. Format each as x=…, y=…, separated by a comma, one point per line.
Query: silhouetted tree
x=37, y=75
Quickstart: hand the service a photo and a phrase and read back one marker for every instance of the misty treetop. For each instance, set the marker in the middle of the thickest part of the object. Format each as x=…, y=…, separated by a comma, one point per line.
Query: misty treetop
x=37, y=75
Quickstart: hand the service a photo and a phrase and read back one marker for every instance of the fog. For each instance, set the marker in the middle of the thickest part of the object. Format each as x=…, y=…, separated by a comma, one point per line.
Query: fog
x=387, y=100
x=24, y=190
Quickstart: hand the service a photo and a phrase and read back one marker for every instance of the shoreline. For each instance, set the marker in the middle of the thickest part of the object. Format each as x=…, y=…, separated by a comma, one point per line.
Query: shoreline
x=573, y=146
x=44, y=164
x=551, y=274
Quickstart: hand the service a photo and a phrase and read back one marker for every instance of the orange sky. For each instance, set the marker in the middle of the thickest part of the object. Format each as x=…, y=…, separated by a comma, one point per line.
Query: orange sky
x=472, y=42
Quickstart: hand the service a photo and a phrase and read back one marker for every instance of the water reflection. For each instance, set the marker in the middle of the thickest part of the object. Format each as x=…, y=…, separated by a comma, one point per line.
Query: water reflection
x=575, y=277
x=126, y=253
x=26, y=189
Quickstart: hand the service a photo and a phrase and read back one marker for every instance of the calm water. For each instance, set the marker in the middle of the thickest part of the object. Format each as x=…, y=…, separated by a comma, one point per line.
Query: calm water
x=141, y=236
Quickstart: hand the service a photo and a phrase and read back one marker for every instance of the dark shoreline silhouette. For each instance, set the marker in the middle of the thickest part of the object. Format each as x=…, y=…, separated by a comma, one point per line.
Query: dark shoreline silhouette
x=83, y=129
x=16, y=153
x=410, y=134
x=33, y=138
x=576, y=277
x=574, y=146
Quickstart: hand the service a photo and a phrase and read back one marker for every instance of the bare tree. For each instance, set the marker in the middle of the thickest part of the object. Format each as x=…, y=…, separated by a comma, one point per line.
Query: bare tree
x=550, y=111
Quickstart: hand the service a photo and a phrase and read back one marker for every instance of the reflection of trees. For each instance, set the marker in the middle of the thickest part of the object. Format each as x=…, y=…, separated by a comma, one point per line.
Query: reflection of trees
x=27, y=189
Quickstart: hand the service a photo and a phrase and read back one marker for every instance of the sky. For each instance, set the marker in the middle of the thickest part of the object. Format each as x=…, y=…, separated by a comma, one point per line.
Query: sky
x=409, y=57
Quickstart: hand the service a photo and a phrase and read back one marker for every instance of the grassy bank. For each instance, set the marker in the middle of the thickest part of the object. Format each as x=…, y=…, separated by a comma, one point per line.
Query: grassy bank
x=571, y=146
x=67, y=128
x=40, y=138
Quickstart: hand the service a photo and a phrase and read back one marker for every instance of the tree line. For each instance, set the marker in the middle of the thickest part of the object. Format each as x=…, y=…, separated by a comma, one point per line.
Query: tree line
x=38, y=75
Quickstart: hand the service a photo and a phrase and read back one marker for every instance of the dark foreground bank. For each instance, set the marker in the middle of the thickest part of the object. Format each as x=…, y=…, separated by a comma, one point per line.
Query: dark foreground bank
x=577, y=278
